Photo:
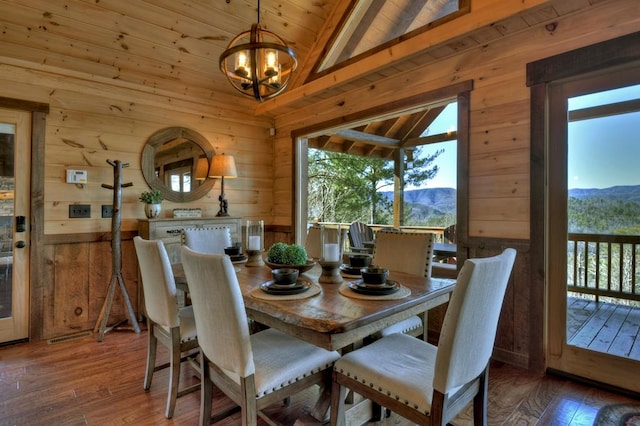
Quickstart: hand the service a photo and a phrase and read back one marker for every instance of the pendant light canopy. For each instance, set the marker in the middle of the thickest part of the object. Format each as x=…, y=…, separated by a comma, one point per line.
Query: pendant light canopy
x=258, y=63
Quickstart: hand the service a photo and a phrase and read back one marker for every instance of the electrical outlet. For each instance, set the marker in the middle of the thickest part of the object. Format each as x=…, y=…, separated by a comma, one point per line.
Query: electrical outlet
x=107, y=210
x=79, y=211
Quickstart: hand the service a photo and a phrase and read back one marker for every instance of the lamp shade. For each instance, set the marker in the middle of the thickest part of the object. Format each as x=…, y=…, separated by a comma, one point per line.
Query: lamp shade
x=223, y=166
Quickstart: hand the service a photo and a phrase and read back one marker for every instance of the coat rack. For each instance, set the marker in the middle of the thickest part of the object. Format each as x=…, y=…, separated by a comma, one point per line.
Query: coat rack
x=116, y=255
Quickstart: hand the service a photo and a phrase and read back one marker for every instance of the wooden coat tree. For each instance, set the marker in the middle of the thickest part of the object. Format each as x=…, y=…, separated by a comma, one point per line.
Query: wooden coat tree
x=116, y=254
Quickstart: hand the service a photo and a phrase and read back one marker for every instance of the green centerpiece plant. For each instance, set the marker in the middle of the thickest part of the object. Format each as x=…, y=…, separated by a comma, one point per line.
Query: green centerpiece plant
x=287, y=254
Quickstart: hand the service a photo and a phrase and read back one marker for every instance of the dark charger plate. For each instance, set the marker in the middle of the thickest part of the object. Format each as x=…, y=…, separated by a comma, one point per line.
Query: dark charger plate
x=389, y=287
x=347, y=269
x=271, y=287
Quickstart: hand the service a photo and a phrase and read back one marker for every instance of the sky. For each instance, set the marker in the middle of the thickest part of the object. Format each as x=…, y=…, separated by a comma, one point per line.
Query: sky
x=446, y=177
x=604, y=152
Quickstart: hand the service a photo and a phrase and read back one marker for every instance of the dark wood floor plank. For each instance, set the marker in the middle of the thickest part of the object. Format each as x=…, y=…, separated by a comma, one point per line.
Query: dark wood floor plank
x=83, y=382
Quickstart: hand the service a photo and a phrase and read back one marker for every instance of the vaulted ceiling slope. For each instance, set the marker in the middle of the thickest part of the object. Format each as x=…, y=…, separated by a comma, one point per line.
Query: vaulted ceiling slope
x=170, y=47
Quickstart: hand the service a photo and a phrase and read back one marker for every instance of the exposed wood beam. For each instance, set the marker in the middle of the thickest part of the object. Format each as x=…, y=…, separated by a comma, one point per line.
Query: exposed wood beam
x=349, y=41
x=605, y=110
x=367, y=138
x=403, y=49
x=319, y=48
x=420, y=125
x=346, y=147
x=426, y=140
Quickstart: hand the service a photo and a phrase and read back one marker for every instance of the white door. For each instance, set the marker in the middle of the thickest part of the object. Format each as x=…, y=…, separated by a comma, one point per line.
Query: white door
x=15, y=171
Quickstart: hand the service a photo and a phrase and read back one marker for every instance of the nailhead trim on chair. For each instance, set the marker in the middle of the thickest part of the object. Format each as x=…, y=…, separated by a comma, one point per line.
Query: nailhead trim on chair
x=381, y=390
x=297, y=379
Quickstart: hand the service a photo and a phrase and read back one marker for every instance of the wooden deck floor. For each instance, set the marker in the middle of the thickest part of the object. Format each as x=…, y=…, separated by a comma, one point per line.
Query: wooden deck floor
x=604, y=327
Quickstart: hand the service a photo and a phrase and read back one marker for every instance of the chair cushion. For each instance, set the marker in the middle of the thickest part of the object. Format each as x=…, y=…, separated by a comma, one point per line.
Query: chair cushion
x=405, y=326
x=398, y=365
x=281, y=359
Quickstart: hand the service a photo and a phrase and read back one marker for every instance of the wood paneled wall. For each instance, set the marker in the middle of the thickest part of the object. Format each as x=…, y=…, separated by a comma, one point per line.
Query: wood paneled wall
x=94, y=118
x=499, y=152
x=93, y=121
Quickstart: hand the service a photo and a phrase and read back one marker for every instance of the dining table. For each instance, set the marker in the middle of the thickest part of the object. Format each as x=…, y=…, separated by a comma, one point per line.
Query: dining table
x=330, y=316
x=331, y=319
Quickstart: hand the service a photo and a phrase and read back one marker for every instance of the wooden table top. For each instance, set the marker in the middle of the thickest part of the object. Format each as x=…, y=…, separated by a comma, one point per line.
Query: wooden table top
x=330, y=319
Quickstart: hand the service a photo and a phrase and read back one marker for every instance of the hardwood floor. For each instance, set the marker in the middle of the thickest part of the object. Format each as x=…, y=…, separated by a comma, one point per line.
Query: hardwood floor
x=83, y=382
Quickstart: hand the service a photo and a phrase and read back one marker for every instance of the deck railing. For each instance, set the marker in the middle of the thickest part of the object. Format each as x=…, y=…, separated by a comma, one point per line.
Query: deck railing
x=604, y=265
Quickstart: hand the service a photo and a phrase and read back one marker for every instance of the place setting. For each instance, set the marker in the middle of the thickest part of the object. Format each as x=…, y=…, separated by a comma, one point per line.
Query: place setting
x=287, y=283
x=357, y=261
x=374, y=284
x=235, y=254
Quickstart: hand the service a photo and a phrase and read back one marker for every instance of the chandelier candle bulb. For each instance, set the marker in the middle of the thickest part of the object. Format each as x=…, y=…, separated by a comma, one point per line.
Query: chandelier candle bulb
x=241, y=64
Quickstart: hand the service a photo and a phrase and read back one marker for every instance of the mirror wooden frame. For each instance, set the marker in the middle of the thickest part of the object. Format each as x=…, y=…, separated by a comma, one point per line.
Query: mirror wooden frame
x=147, y=163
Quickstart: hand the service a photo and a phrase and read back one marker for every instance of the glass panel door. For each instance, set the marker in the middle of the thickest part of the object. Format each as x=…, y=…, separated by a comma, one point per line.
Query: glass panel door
x=593, y=227
x=15, y=167
x=7, y=197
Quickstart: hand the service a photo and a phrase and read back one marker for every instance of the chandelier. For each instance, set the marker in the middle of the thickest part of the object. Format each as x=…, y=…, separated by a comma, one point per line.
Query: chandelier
x=258, y=63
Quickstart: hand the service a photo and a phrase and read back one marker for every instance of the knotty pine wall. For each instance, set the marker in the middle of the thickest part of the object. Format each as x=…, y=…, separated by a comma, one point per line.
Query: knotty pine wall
x=498, y=177
x=94, y=121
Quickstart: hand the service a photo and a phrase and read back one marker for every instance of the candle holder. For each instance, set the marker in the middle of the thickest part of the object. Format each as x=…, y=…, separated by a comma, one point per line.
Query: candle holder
x=255, y=242
x=331, y=258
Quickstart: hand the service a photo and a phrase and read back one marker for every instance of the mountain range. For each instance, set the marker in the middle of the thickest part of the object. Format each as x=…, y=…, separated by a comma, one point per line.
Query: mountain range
x=443, y=200
x=622, y=193
x=434, y=201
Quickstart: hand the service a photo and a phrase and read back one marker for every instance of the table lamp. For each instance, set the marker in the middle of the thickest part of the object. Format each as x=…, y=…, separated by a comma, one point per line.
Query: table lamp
x=223, y=166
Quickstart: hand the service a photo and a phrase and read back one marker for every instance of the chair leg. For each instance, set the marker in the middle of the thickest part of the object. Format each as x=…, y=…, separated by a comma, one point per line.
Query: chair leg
x=206, y=391
x=249, y=405
x=480, y=400
x=152, y=348
x=174, y=372
x=337, y=403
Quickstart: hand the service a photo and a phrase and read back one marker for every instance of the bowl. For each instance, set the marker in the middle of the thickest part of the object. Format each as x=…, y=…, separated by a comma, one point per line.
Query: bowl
x=301, y=268
x=285, y=276
x=359, y=260
x=374, y=275
x=232, y=251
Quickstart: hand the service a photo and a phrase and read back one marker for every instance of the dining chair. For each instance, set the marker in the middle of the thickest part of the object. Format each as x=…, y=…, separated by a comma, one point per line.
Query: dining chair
x=172, y=326
x=410, y=253
x=423, y=383
x=359, y=233
x=211, y=239
x=254, y=370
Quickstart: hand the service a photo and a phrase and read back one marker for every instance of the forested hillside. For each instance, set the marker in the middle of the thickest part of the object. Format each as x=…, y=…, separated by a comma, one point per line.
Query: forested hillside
x=614, y=210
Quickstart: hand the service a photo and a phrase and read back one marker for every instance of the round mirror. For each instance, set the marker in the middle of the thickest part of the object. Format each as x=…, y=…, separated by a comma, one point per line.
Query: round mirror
x=175, y=161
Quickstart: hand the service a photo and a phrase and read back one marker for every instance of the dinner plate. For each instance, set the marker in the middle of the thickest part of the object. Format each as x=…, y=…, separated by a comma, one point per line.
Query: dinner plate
x=239, y=258
x=389, y=287
x=272, y=288
x=347, y=269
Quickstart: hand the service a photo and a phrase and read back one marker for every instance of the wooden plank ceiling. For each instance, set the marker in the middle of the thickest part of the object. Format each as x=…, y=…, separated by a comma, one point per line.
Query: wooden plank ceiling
x=172, y=48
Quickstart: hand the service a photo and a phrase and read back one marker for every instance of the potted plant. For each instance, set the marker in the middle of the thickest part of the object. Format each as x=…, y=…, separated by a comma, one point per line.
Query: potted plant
x=151, y=200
